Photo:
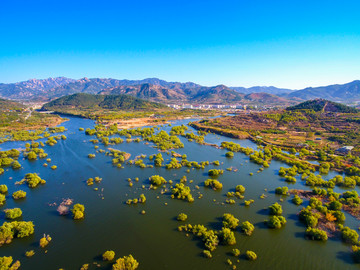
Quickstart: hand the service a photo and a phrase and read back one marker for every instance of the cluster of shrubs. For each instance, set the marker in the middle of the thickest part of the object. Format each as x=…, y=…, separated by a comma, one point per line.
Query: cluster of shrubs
x=276, y=220
x=45, y=240
x=157, y=180
x=182, y=192
x=15, y=229
x=125, y=263
x=118, y=156
x=6, y=263
x=215, y=172
x=20, y=194
x=213, y=183
x=78, y=211
x=193, y=137
x=141, y=199
x=33, y=151
x=13, y=213
x=211, y=238
x=164, y=141
x=9, y=158
x=32, y=180
x=90, y=181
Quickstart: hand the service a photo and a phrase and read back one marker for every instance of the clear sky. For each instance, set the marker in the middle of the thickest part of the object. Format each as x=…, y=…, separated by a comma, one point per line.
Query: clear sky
x=290, y=44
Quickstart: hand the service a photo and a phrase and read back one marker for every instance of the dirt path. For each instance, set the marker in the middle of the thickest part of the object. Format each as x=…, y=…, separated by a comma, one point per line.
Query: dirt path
x=28, y=115
x=137, y=122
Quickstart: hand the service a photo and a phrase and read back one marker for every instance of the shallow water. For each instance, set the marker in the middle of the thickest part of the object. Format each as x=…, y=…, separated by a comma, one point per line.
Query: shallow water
x=153, y=238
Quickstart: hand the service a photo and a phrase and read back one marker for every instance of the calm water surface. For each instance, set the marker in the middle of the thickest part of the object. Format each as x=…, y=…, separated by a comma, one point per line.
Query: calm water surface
x=153, y=238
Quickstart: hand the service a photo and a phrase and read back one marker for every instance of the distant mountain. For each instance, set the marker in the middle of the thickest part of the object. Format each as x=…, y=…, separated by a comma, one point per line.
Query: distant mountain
x=216, y=94
x=32, y=88
x=322, y=105
x=266, y=98
x=347, y=93
x=262, y=89
x=96, y=85
x=113, y=102
x=148, y=91
x=56, y=87
x=201, y=94
x=174, y=92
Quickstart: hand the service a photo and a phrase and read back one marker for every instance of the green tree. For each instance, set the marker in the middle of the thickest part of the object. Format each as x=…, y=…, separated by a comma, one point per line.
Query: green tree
x=78, y=211
x=19, y=194
x=108, y=255
x=229, y=221
x=275, y=209
x=126, y=263
x=13, y=213
x=251, y=255
x=247, y=227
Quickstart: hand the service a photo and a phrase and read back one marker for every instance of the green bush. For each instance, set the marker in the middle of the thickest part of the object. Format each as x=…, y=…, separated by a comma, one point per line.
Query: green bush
x=20, y=194
x=33, y=180
x=108, y=255
x=15, y=229
x=236, y=252
x=13, y=213
x=350, y=236
x=251, y=255
x=276, y=222
x=2, y=199
x=247, y=228
x=207, y=254
x=3, y=189
x=282, y=190
x=316, y=234
x=229, y=154
x=227, y=236
x=182, y=217
x=240, y=188
x=275, y=209
x=157, y=180
x=229, y=221
x=125, y=263
x=6, y=263
x=215, y=172
x=78, y=211
x=182, y=192
x=215, y=184
x=297, y=200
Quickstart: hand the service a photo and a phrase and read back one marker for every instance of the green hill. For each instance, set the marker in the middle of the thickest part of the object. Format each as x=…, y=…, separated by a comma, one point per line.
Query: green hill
x=9, y=105
x=110, y=102
x=323, y=105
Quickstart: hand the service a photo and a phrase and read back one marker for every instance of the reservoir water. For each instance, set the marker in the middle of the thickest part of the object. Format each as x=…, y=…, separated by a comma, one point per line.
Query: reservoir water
x=153, y=238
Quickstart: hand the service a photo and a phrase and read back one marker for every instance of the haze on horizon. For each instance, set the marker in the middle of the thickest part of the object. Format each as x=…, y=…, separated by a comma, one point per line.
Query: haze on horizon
x=287, y=44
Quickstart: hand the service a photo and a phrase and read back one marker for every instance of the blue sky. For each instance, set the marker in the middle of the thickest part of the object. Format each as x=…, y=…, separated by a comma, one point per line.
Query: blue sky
x=290, y=44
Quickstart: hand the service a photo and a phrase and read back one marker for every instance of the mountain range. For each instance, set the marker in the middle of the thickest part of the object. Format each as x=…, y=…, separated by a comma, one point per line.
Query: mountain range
x=158, y=90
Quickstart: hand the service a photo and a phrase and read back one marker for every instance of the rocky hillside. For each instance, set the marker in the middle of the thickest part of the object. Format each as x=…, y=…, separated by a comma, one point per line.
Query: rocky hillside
x=148, y=91
x=208, y=95
x=32, y=88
